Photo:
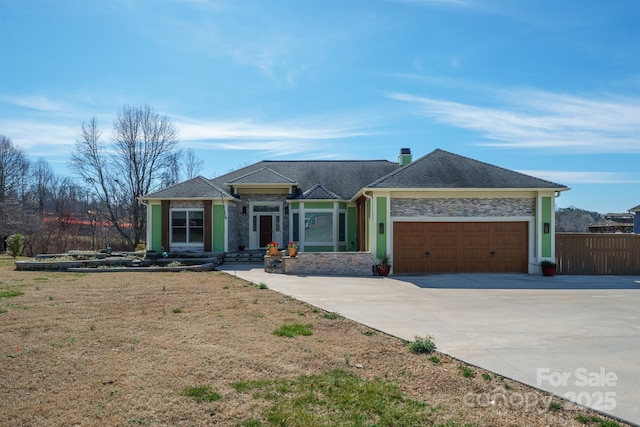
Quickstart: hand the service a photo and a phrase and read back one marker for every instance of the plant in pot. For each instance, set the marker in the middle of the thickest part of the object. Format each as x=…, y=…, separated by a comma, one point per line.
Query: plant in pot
x=384, y=265
x=292, y=248
x=548, y=268
x=272, y=248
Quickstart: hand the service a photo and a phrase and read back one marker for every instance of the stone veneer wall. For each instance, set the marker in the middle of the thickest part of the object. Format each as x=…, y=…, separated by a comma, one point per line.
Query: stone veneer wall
x=325, y=263
x=240, y=228
x=463, y=207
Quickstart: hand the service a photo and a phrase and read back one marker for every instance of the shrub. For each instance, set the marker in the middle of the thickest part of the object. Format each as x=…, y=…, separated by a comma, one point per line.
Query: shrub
x=422, y=345
x=15, y=245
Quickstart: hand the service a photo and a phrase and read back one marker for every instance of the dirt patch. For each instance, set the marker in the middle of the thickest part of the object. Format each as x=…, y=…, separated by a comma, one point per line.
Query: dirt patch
x=121, y=349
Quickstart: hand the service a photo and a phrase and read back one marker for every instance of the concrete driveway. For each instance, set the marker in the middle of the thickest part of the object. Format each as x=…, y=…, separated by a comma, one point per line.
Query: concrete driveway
x=575, y=336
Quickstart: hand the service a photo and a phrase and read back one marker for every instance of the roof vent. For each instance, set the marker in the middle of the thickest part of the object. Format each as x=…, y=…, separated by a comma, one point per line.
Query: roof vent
x=405, y=156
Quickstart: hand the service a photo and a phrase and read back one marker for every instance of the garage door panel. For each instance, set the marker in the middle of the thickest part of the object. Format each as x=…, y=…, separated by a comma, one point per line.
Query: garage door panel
x=460, y=247
x=483, y=240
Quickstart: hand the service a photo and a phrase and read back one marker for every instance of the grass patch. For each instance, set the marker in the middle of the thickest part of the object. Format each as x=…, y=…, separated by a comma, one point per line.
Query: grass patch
x=555, y=406
x=422, y=345
x=202, y=393
x=597, y=421
x=486, y=377
x=466, y=371
x=434, y=359
x=332, y=315
x=291, y=330
x=10, y=294
x=263, y=285
x=177, y=310
x=336, y=398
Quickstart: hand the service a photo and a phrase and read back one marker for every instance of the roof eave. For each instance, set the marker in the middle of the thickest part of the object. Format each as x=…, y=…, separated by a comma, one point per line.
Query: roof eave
x=485, y=189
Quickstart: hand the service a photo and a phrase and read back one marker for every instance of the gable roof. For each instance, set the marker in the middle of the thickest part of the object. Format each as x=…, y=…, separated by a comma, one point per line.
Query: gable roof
x=442, y=169
x=319, y=192
x=195, y=188
x=343, y=178
x=261, y=176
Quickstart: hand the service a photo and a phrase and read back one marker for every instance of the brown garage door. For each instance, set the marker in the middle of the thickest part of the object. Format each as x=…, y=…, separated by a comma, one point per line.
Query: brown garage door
x=460, y=247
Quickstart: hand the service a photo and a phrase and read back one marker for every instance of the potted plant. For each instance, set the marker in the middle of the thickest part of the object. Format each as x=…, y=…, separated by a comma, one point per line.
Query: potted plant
x=548, y=268
x=292, y=248
x=384, y=265
x=272, y=248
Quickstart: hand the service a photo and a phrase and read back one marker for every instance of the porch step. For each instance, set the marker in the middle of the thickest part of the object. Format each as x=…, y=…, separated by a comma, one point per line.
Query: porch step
x=245, y=257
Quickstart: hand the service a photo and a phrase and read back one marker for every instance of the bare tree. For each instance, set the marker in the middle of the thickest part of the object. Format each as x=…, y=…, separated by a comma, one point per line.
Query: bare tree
x=131, y=165
x=13, y=168
x=42, y=177
x=192, y=165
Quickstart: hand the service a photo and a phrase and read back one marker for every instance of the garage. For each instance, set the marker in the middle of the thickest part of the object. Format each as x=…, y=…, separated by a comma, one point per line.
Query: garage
x=460, y=247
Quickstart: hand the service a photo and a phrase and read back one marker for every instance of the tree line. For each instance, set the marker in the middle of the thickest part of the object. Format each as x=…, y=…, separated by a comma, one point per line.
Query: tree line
x=99, y=204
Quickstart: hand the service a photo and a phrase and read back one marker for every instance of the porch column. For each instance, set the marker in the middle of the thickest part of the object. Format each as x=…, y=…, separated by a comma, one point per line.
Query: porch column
x=207, y=225
x=165, y=225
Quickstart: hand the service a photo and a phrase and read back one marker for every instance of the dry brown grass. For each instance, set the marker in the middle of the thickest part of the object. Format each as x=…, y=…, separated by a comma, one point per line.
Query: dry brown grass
x=118, y=348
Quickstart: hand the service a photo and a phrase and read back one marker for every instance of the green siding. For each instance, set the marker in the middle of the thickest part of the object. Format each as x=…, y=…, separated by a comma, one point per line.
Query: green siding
x=217, y=239
x=546, y=217
x=381, y=216
x=156, y=229
x=318, y=205
x=295, y=205
x=352, y=229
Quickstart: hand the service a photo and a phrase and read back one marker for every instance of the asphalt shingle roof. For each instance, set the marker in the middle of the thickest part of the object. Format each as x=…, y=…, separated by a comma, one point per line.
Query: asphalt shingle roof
x=442, y=169
x=195, y=188
x=344, y=178
x=319, y=192
x=262, y=176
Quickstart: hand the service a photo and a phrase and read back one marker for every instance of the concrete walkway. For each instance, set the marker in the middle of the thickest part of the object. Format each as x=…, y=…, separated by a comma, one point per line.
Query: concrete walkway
x=577, y=336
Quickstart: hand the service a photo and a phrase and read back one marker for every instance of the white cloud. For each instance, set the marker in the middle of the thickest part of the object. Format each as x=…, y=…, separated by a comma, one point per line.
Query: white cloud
x=584, y=177
x=34, y=102
x=311, y=135
x=540, y=119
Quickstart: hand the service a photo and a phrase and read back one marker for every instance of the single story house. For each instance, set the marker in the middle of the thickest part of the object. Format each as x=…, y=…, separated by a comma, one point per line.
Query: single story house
x=440, y=213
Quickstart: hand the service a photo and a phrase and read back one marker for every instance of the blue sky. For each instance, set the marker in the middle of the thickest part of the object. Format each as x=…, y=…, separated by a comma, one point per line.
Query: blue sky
x=546, y=87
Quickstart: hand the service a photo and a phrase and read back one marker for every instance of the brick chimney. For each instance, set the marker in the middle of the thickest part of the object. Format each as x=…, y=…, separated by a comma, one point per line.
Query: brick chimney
x=405, y=156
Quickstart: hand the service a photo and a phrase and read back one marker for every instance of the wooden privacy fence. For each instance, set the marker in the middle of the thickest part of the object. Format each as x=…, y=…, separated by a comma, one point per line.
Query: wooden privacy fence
x=598, y=254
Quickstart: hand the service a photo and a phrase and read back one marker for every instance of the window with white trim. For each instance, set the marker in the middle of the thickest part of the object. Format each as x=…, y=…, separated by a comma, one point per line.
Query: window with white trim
x=187, y=226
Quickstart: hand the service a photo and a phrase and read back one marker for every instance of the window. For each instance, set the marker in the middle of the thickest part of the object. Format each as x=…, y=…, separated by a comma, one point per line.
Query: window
x=318, y=227
x=187, y=226
x=295, y=230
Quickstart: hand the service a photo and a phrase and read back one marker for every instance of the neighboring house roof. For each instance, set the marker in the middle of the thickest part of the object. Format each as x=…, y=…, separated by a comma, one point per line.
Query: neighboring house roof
x=195, y=188
x=343, y=178
x=442, y=169
x=613, y=222
x=636, y=209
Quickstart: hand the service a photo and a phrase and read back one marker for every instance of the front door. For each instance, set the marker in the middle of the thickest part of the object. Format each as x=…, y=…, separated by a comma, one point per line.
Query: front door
x=265, y=224
x=266, y=230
